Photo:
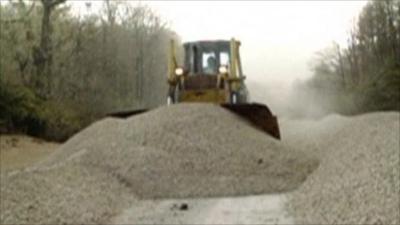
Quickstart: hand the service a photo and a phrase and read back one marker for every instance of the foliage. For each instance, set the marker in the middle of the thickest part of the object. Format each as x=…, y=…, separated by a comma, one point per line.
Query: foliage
x=365, y=76
x=19, y=107
x=91, y=64
x=22, y=111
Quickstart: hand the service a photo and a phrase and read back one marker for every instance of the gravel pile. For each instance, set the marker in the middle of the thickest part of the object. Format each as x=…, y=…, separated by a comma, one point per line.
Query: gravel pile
x=68, y=194
x=358, y=180
x=187, y=150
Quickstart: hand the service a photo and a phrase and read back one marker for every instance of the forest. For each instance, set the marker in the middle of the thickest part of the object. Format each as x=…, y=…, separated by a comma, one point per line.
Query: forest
x=363, y=76
x=61, y=71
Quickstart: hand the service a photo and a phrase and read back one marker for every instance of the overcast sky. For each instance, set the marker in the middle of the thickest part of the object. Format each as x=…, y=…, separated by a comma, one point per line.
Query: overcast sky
x=278, y=37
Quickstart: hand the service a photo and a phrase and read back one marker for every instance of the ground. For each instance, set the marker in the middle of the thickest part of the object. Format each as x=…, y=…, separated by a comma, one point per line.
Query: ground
x=261, y=209
x=356, y=179
x=20, y=151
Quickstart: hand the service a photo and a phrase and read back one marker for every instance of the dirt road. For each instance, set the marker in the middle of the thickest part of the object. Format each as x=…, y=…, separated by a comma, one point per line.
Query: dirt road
x=263, y=209
x=20, y=151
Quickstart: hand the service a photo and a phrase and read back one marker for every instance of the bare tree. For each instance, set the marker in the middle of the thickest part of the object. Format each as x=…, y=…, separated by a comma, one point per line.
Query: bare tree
x=22, y=18
x=43, y=55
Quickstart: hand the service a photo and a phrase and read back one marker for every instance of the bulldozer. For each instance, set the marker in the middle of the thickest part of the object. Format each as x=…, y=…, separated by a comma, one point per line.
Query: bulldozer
x=212, y=73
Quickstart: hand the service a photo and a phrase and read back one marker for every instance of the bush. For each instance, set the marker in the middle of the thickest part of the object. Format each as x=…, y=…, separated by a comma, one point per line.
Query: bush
x=61, y=121
x=21, y=111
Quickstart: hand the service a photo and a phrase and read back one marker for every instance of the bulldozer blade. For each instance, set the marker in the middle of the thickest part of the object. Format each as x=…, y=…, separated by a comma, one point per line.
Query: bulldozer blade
x=258, y=115
x=126, y=114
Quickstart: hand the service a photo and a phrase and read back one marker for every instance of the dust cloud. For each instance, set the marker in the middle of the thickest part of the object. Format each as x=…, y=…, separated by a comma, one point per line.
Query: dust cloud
x=288, y=100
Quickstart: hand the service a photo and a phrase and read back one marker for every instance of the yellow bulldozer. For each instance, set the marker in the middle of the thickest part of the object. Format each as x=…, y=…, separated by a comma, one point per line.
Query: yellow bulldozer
x=212, y=72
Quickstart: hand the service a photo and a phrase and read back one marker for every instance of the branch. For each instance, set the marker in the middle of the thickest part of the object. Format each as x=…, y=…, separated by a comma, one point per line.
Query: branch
x=56, y=2
x=52, y=3
x=22, y=18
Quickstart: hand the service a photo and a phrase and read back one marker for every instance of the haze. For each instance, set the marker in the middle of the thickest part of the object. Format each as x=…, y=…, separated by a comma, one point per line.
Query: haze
x=278, y=37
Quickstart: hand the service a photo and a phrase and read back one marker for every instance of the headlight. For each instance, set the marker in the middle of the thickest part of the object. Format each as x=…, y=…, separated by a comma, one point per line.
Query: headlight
x=223, y=69
x=179, y=71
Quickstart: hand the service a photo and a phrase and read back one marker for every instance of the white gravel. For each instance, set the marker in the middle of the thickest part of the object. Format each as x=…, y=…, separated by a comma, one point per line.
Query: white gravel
x=118, y=167
x=187, y=150
x=68, y=194
x=358, y=181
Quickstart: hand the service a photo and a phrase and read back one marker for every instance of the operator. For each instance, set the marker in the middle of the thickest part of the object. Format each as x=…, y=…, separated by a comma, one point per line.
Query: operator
x=211, y=65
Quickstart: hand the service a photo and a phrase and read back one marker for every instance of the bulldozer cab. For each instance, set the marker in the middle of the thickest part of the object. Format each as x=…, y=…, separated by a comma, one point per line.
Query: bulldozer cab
x=211, y=72
x=205, y=57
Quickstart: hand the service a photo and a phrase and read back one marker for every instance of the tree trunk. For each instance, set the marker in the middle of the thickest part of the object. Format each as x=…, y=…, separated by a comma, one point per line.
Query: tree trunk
x=43, y=56
x=44, y=68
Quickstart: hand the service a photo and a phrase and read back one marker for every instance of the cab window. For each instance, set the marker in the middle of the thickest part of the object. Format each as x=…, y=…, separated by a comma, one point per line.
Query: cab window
x=224, y=58
x=209, y=63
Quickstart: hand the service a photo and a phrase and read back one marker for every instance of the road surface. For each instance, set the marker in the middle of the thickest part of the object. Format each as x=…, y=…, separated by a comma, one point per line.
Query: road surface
x=261, y=209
